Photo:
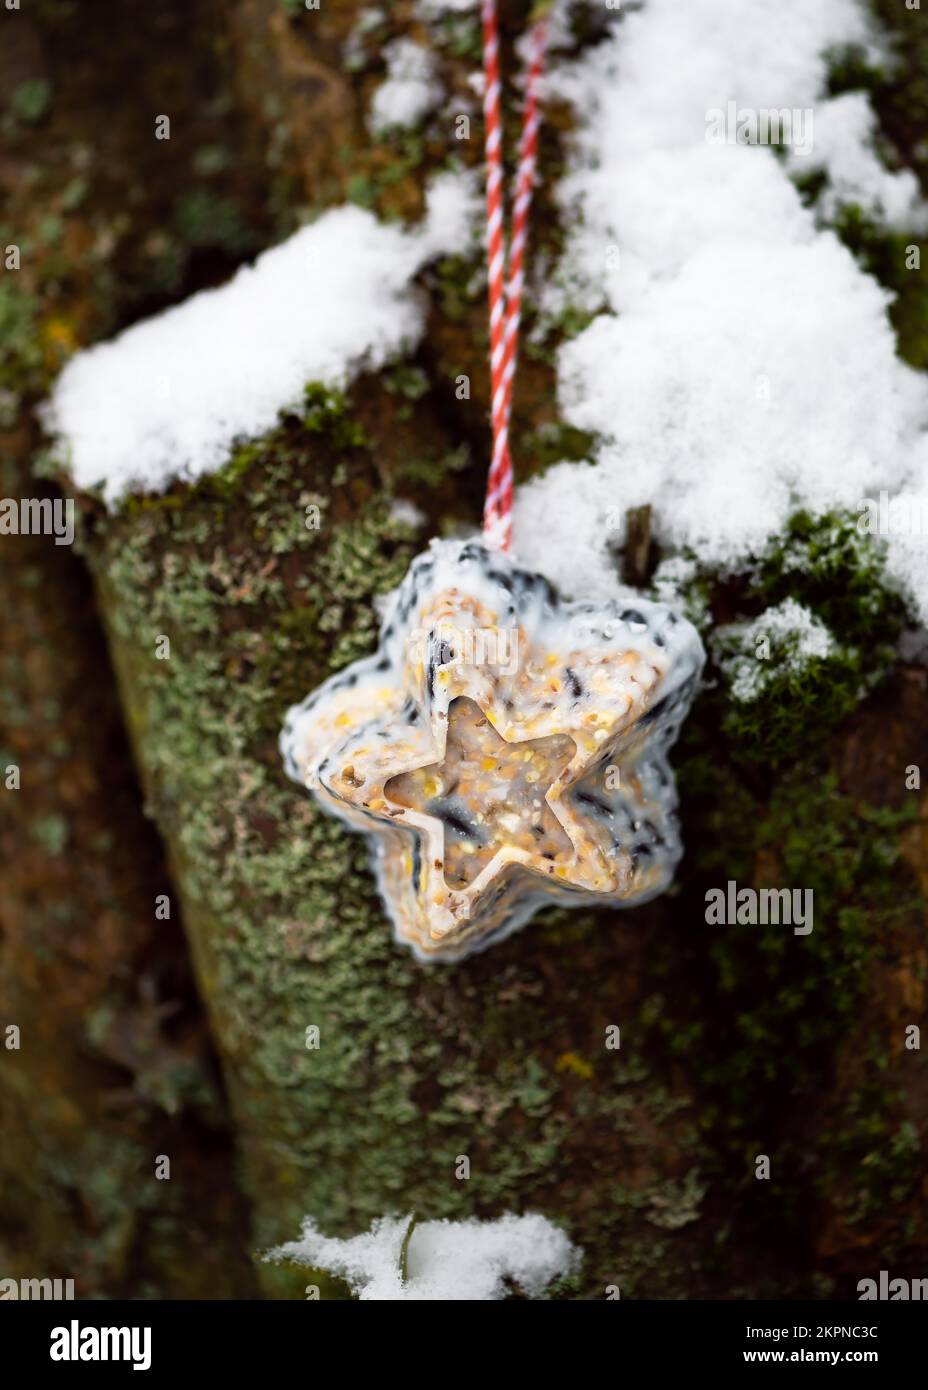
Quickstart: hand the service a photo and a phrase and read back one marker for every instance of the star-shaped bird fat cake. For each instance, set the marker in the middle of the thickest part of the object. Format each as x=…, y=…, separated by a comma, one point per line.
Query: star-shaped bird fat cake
x=502, y=749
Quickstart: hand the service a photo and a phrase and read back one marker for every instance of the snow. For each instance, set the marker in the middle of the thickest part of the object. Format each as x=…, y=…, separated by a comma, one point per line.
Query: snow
x=171, y=396
x=740, y=363
x=673, y=584
x=406, y=513
x=794, y=637
x=440, y=9
x=845, y=145
x=411, y=88
x=463, y=1261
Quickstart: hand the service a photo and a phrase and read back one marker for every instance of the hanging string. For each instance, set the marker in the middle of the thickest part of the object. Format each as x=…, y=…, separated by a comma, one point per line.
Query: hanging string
x=506, y=298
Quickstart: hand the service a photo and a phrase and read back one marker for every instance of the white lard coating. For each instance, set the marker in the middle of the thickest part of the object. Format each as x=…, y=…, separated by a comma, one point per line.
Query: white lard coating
x=615, y=678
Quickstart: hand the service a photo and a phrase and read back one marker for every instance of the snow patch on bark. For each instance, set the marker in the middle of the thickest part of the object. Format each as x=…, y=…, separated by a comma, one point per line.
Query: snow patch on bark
x=410, y=90
x=170, y=397
x=445, y=1260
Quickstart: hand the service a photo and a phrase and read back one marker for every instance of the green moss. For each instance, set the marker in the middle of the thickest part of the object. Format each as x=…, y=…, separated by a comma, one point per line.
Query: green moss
x=456, y=284
x=890, y=257
x=30, y=100
x=407, y=155
x=568, y=323
x=21, y=356
x=210, y=160
x=555, y=443
x=825, y=563
x=204, y=218
x=898, y=89
x=463, y=38
x=430, y=470
x=848, y=856
x=361, y=189
x=851, y=69
x=811, y=185
x=52, y=832
x=901, y=99
x=770, y=1008
x=74, y=194
x=389, y=175
x=795, y=707
x=881, y=1150
x=287, y=1280
x=326, y=412
x=408, y=382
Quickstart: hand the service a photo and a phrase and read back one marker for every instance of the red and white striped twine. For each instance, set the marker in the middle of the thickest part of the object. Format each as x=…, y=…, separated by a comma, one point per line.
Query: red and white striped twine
x=506, y=298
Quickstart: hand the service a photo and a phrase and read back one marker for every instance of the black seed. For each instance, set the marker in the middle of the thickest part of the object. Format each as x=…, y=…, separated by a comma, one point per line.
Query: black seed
x=455, y=818
x=656, y=836
x=594, y=802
